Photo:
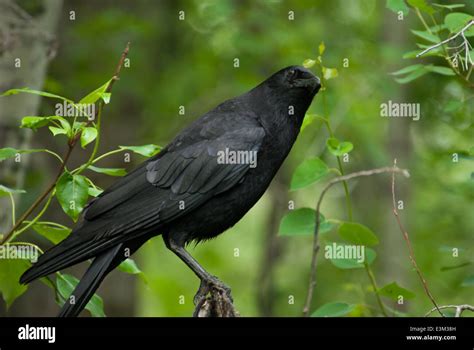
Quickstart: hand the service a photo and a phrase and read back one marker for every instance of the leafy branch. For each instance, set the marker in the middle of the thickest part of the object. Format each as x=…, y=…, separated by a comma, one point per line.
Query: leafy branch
x=71, y=144
x=312, y=280
x=71, y=189
x=455, y=25
x=465, y=44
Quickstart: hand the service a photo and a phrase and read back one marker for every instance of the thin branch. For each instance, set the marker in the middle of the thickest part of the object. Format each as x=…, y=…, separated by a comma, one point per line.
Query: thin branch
x=312, y=280
x=410, y=248
x=71, y=144
x=461, y=32
x=459, y=309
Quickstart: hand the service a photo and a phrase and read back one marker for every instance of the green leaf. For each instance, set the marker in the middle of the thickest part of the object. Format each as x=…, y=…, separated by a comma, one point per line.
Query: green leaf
x=34, y=122
x=66, y=126
x=456, y=21
x=338, y=148
x=94, y=191
x=9, y=152
x=4, y=191
x=66, y=284
x=145, y=150
x=308, y=63
x=426, y=36
x=358, y=234
x=88, y=135
x=10, y=272
x=412, y=76
x=394, y=291
x=440, y=70
x=54, y=233
x=321, y=48
x=308, y=120
x=397, y=6
x=57, y=131
x=129, y=266
x=335, y=309
x=308, y=172
x=330, y=73
x=352, y=263
x=99, y=93
x=72, y=194
x=408, y=69
x=437, y=28
x=35, y=92
x=301, y=222
x=422, y=5
x=108, y=171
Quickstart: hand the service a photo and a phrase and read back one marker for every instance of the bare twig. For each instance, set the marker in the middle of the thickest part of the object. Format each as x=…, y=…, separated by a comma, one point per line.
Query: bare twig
x=410, y=248
x=71, y=144
x=459, y=309
x=461, y=32
x=312, y=280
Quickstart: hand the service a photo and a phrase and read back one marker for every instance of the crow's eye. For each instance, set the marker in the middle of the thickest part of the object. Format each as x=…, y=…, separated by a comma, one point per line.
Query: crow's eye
x=292, y=74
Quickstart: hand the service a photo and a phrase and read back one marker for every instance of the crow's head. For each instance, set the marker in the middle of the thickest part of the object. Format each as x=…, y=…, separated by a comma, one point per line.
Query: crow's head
x=288, y=93
x=295, y=81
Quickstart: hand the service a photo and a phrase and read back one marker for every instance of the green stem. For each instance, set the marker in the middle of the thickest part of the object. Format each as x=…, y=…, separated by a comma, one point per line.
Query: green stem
x=420, y=16
x=468, y=76
x=36, y=218
x=49, y=223
x=374, y=286
x=54, y=154
x=107, y=154
x=28, y=244
x=339, y=163
x=96, y=144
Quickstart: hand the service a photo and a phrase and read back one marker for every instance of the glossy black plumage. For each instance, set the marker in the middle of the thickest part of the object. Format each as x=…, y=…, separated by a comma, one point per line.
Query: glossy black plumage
x=183, y=192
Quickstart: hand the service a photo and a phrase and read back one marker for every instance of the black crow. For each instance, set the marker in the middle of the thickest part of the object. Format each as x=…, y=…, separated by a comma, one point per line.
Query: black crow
x=197, y=187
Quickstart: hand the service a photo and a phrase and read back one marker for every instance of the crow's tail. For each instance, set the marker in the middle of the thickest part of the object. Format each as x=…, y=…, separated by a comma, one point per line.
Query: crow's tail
x=91, y=280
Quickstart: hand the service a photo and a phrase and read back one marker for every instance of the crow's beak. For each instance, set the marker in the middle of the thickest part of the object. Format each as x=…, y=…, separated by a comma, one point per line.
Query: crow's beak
x=313, y=84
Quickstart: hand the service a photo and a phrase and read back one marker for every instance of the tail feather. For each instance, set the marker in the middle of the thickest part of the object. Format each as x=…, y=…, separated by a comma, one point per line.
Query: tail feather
x=91, y=280
x=67, y=253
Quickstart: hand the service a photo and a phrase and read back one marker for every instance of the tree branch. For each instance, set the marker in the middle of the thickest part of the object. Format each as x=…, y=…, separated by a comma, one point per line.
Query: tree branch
x=459, y=309
x=410, y=248
x=461, y=32
x=312, y=280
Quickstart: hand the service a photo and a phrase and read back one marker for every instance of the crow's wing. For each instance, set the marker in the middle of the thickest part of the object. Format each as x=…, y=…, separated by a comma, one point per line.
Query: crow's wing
x=175, y=183
x=185, y=172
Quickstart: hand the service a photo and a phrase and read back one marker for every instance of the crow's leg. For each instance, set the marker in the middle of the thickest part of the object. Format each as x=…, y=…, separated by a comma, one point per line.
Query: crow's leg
x=208, y=281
